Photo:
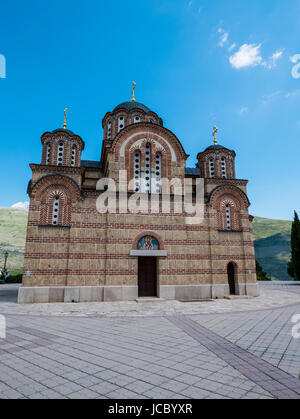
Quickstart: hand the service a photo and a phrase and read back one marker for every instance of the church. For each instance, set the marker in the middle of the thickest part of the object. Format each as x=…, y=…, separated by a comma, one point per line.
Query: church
x=78, y=252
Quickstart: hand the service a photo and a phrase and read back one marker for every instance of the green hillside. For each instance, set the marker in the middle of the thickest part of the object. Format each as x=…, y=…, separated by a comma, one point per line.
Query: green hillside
x=272, y=246
x=272, y=242
x=13, y=224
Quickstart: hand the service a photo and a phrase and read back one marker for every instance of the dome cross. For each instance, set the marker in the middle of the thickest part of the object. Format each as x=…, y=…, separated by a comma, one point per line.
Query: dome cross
x=214, y=135
x=132, y=91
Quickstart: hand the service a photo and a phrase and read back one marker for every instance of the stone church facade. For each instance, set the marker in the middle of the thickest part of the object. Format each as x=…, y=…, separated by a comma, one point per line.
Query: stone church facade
x=76, y=253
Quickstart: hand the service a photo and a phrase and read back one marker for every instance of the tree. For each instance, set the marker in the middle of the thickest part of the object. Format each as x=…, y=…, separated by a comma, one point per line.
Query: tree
x=261, y=275
x=294, y=264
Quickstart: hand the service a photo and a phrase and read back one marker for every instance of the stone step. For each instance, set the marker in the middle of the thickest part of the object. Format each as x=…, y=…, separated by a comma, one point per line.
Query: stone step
x=149, y=300
x=237, y=297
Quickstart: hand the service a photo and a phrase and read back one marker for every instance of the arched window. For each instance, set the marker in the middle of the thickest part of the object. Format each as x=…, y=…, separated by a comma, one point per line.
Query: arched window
x=73, y=160
x=60, y=154
x=158, y=172
x=55, y=212
x=137, y=171
x=211, y=168
x=228, y=217
x=223, y=165
x=137, y=119
x=48, y=151
x=109, y=130
x=121, y=123
x=147, y=173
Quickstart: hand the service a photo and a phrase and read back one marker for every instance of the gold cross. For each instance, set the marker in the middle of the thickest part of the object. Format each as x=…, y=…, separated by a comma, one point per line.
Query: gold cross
x=214, y=135
x=132, y=91
x=65, y=121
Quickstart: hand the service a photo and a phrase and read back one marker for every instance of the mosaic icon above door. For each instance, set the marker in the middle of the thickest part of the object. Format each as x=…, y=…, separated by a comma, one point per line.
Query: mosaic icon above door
x=148, y=243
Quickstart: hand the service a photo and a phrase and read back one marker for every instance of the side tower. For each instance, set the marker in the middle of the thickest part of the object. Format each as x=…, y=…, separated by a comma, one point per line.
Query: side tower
x=54, y=190
x=231, y=235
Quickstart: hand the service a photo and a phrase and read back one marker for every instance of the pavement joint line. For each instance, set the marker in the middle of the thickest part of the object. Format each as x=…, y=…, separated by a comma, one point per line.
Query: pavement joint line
x=199, y=332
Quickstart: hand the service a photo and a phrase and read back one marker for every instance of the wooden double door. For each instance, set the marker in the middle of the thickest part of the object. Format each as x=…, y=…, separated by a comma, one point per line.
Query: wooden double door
x=231, y=278
x=147, y=277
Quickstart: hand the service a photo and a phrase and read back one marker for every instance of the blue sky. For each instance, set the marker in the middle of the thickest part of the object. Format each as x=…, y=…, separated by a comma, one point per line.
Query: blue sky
x=197, y=63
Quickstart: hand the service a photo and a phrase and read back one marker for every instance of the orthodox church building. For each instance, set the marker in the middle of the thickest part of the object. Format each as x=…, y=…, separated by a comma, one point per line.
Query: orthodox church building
x=78, y=253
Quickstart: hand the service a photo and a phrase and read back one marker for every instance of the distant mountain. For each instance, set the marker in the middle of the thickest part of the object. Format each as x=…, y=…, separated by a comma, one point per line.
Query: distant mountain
x=272, y=242
x=13, y=224
x=272, y=246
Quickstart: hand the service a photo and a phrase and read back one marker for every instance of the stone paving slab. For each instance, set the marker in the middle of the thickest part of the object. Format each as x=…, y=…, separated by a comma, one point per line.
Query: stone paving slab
x=272, y=296
x=265, y=334
x=257, y=370
x=239, y=349
x=92, y=358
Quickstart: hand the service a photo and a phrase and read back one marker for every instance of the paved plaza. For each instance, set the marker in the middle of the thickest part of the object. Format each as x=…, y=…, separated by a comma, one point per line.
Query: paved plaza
x=239, y=348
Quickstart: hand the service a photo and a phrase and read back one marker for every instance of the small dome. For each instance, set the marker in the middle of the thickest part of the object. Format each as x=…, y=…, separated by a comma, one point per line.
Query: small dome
x=63, y=130
x=215, y=147
x=132, y=105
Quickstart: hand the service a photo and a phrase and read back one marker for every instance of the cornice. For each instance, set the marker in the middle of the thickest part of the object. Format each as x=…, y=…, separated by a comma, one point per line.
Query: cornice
x=225, y=182
x=40, y=168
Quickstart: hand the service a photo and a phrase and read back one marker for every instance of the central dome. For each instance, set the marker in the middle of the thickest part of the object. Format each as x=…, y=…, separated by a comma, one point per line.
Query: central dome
x=132, y=105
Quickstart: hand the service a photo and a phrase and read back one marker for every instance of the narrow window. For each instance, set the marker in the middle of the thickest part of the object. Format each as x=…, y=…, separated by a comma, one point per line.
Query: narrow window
x=48, y=151
x=120, y=123
x=60, y=154
x=147, y=177
x=158, y=172
x=146, y=174
x=73, y=161
x=55, y=213
x=109, y=130
x=137, y=171
x=228, y=217
x=211, y=168
x=224, y=171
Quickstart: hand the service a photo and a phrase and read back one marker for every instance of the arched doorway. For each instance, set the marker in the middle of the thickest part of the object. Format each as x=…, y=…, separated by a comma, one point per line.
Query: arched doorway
x=147, y=277
x=148, y=248
x=231, y=278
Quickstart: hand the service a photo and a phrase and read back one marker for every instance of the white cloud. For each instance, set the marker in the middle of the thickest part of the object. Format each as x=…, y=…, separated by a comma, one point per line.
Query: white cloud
x=274, y=58
x=269, y=98
x=243, y=110
x=247, y=56
x=277, y=55
x=293, y=93
x=21, y=205
x=231, y=47
x=224, y=39
x=294, y=59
